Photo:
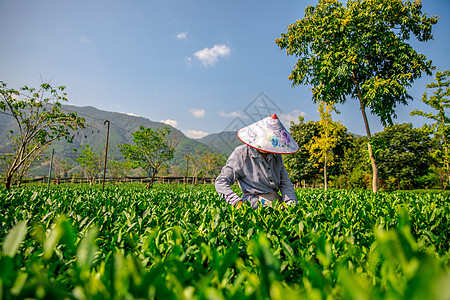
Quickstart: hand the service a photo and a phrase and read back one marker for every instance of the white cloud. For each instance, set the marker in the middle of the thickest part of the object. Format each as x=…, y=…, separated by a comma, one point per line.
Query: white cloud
x=195, y=134
x=170, y=122
x=133, y=115
x=182, y=36
x=84, y=39
x=209, y=56
x=286, y=118
x=198, y=113
x=233, y=114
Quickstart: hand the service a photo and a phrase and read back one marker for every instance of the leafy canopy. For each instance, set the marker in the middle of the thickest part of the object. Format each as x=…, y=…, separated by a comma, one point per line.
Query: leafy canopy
x=321, y=146
x=40, y=121
x=440, y=127
x=91, y=162
x=440, y=102
x=403, y=154
x=359, y=51
x=151, y=150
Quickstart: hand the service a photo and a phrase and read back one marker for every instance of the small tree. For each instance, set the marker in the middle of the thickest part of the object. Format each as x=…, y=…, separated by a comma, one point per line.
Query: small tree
x=321, y=147
x=152, y=149
x=360, y=51
x=40, y=121
x=90, y=162
x=440, y=102
x=213, y=163
x=119, y=169
x=205, y=164
x=34, y=159
x=61, y=168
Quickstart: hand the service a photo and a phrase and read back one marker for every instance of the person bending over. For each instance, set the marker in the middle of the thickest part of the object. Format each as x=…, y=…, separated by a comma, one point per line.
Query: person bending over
x=258, y=166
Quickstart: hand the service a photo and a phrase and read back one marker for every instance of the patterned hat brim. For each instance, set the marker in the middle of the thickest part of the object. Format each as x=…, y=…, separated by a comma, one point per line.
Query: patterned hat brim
x=268, y=135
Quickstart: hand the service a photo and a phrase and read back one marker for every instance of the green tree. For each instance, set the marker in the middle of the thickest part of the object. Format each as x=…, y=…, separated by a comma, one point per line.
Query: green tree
x=205, y=163
x=360, y=51
x=298, y=165
x=91, y=162
x=403, y=155
x=355, y=163
x=61, y=168
x=151, y=151
x=40, y=121
x=321, y=146
x=440, y=128
x=119, y=169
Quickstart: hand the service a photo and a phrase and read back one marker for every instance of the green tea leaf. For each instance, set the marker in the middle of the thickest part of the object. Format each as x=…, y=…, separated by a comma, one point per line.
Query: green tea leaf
x=14, y=239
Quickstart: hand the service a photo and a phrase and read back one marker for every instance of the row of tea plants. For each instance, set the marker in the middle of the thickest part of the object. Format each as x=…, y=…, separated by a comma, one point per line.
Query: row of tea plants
x=169, y=242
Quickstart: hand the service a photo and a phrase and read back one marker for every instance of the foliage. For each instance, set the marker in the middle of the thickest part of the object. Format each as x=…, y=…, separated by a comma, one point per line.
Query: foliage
x=206, y=164
x=440, y=102
x=305, y=165
x=61, y=168
x=34, y=159
x=353, y=166
x=403, y=155
x=298, y=165
x=360, y=51
x=151, y=150
x=129, y=242
x=39, y=120
x=122, y=125
x=119, y=169
x=321, y=146
x=91, y=162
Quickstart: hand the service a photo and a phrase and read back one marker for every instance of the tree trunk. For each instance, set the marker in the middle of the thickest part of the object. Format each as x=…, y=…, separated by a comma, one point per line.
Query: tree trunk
x=152, y=180
x=374, y=169
x=8, y=180
x=366, y=124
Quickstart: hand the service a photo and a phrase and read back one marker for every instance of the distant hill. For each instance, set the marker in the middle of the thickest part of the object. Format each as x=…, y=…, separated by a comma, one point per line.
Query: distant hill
x=121, y=127
x=223, y=142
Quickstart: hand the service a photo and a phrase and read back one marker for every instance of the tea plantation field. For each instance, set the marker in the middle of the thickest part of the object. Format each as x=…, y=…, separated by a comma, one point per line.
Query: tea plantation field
x=73, y=242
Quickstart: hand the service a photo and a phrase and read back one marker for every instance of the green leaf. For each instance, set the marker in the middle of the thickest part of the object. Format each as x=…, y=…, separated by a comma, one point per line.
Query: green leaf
x=87, y=249
x=14, y=239
x=227, y=261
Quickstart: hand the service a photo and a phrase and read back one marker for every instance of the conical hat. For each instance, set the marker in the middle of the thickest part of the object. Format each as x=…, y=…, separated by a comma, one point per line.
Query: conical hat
x=268, y=135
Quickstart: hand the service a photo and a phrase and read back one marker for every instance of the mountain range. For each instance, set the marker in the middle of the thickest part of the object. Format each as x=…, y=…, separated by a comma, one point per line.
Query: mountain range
x=121, y=128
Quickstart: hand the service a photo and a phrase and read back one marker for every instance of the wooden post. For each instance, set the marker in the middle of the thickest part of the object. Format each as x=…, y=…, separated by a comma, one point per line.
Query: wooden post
x=50, y=170
x=106, y=154
x=187, y=169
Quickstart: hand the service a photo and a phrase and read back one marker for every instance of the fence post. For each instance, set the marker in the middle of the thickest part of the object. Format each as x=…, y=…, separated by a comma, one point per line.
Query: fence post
x=50, y=170
x=106, y=154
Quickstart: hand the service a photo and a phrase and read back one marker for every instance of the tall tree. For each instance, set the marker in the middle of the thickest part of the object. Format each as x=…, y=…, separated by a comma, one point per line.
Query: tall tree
x=440, y=102
x=40, y=121
x=360, y=51
x=152, y=149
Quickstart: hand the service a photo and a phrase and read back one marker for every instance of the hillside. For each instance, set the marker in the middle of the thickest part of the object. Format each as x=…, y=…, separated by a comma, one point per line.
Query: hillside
x=121, y=128
x=223, y=142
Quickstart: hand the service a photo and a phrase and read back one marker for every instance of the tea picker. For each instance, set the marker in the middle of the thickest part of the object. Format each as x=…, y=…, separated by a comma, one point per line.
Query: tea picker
x=258, y=166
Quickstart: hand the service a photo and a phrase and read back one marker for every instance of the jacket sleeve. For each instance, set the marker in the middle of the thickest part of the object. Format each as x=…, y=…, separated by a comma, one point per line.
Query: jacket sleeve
x=226, y=178
x=286, y=187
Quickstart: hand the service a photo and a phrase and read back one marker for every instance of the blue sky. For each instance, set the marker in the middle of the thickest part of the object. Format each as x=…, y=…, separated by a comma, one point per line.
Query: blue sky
x=196, y=65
